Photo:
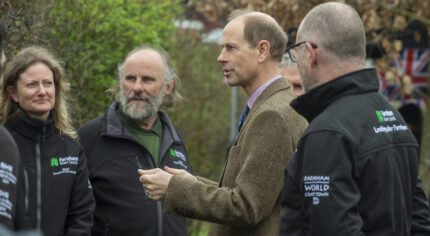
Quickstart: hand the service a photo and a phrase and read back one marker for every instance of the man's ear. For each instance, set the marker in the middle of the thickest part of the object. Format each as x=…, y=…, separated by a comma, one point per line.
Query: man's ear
x=312, y=54
x=170, y=87
x=263, y=50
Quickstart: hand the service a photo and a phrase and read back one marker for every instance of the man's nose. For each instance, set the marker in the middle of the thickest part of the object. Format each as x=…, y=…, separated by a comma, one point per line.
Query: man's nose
x=221, y=58
x=138, y=85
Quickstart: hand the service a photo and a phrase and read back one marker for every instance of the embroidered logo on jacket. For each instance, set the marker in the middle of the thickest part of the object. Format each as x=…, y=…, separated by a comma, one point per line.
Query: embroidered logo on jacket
x=54, y=161
x=316, y=187
x=178, y=154
x=385, y=116
x=64, y=165
x=181, y=156
x=7, y=178
x=389, y=128
x=6, y=173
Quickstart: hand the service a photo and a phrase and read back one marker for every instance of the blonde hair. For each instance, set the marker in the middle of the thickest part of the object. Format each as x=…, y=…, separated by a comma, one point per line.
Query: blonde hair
x=23, y=60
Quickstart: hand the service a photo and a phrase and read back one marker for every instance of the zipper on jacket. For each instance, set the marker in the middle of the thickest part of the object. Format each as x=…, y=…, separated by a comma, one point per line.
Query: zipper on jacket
x=40, y=139
x=38, y=187
x=106, y=229
x=160, y=218
x=26, y=190
x=140, y=166
x=159, y=206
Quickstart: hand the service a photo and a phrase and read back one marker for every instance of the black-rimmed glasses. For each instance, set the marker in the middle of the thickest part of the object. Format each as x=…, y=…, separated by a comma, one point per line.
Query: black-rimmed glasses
x=293, y=54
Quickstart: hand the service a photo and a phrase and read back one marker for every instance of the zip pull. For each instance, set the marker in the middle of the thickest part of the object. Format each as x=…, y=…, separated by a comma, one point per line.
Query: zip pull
x=138, y=162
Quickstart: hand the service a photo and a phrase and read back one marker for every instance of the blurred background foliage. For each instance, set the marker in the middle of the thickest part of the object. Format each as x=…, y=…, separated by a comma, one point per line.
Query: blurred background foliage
x=92, y=37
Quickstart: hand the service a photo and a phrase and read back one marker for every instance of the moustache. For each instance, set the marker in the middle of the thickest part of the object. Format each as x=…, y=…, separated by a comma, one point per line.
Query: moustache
x=142, y=97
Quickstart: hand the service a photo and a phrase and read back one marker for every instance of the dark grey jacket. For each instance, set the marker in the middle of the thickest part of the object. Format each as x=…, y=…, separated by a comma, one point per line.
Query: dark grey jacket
x=355, y=171
x=54, y=195
x=114, y=155
x=9, y=159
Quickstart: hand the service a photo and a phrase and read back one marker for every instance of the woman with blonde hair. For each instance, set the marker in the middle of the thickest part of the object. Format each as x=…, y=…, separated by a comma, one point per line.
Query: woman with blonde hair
x=54, y=195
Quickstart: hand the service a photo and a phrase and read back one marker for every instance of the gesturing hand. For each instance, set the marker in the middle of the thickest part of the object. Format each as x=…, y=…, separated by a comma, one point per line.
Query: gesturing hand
x=155, y=182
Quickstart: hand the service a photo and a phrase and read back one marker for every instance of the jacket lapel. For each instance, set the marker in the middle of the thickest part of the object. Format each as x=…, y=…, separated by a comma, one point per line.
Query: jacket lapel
x=274, y=87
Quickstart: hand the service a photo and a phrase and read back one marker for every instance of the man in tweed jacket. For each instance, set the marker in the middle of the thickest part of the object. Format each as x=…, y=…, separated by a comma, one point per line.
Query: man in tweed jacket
x=246, y=201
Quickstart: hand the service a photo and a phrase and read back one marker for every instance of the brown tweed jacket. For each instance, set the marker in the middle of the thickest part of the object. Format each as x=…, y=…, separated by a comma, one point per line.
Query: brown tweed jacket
x=247, y=199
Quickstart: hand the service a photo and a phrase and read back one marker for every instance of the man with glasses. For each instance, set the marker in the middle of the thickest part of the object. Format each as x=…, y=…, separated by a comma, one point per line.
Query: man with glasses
x=355, y=171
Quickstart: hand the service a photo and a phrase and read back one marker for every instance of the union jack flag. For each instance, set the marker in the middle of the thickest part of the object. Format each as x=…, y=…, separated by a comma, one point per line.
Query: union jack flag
x=413, y=62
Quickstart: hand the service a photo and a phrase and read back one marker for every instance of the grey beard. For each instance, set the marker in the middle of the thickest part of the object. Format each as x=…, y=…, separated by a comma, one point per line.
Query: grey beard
x=141, y=112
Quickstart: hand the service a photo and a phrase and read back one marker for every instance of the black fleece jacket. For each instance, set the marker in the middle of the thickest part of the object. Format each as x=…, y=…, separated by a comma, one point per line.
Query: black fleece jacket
x=9, y=159
x=114, y=155
x=355, y=171
x=54, y=194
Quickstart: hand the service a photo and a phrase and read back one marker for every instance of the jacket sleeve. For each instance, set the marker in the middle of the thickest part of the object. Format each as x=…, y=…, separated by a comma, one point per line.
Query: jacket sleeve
x=9, y=159
x=207, y=181
x=81, y=206
x=255, y=171
x=420, y=212
x=331, y=195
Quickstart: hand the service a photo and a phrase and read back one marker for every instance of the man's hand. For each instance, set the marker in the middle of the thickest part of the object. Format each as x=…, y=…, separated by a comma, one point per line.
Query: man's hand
x=156, y=181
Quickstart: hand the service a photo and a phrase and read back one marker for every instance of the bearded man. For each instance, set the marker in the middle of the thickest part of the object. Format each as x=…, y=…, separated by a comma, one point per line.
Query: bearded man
x=135, y=134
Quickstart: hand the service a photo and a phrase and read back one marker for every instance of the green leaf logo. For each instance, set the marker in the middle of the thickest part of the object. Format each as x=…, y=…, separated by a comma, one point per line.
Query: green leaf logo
x=54, y=162
x=380, y=116
x=172, y=153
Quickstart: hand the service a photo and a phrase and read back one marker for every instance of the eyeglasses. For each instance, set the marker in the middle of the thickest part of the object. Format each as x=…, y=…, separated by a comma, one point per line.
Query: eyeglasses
x=293, y=54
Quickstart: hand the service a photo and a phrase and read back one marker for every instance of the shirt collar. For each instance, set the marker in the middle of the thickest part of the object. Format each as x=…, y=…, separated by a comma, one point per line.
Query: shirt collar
x=258, y=92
